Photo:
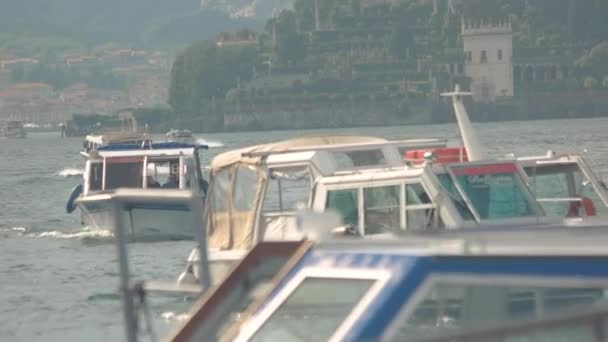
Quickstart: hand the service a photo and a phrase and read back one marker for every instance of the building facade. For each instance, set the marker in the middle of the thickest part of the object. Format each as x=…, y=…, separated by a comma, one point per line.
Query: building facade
x=488, y=54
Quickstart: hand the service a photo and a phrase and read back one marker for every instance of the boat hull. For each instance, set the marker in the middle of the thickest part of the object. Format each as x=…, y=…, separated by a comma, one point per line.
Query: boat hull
x=143, y=222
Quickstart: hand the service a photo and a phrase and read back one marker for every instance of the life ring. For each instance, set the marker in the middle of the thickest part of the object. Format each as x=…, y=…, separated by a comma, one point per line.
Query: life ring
x=586, y=203
x=76, y=191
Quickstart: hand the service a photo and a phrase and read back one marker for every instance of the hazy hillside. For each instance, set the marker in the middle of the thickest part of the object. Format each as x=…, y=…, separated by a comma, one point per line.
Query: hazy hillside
x=259, y=9
x=93, y=21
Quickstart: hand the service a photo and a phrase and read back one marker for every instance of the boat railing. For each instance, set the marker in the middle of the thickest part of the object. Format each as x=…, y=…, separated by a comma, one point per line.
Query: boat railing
x=119, y=200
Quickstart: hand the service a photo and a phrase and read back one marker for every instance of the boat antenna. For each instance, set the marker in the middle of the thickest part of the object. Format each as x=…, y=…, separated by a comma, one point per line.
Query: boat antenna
x=471, y=142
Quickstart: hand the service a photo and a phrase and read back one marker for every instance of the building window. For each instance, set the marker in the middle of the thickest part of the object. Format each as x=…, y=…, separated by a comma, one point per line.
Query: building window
x=468, y=56
x=484, y=57
x=500, y=55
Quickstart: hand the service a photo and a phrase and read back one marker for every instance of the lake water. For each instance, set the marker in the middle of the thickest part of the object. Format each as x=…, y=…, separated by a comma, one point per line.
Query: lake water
x=59, y=281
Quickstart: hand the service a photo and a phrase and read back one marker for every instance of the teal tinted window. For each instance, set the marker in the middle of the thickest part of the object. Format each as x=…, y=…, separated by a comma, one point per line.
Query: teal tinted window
x=346, y=203
x=459, y=203
x=314, y=310
x=495, y=190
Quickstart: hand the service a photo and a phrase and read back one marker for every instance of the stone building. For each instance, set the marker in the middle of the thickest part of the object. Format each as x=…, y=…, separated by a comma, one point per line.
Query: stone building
x=488, y=52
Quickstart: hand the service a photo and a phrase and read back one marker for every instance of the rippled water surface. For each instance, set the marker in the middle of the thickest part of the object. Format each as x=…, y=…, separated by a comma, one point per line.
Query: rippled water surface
x=58, y=281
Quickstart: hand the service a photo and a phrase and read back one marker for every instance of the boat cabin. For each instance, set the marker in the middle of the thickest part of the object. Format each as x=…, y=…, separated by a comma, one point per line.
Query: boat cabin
x=453, y=196
x=256, y=190
x=157, y=165
x=495, y=287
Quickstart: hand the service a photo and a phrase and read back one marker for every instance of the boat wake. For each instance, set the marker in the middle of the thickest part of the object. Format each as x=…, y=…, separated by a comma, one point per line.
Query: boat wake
x=171, y=316
x=86, y=235
x=70, y=172
x=201, y=141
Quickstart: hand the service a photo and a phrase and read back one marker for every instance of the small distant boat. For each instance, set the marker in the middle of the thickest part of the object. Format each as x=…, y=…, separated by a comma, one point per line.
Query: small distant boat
x=180, y=135
x=14, y=130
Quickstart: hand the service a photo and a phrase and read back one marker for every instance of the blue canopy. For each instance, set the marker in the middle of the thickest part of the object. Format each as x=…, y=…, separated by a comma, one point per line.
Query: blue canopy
x=150, y=146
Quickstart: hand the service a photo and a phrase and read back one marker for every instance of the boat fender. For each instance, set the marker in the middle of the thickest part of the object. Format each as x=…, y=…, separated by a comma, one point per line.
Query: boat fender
x=586, y=203
x=76, y=191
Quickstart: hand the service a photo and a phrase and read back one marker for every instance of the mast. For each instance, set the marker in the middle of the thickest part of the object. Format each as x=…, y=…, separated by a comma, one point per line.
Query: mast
x=472, y=144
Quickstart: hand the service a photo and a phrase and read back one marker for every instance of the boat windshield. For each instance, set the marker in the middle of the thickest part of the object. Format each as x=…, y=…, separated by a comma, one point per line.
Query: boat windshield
x=346, y=160
x=322, y=303
x=287, y=189
x=162, y=173
x=123, y=172
x=127, y=172
x=564, y=190
x=494, y=190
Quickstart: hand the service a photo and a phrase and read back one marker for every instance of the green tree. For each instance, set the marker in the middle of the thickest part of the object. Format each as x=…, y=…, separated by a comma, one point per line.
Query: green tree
x=203, y=74
x=290, y=45
x=595, y=62
x=590, y=83
x=402, y=43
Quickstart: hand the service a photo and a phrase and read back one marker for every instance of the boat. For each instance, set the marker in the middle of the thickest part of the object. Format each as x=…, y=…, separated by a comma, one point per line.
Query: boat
x=14, y=130
x=495, y=287
x=392, y=187
x=180, y=135
x=541, y=283
x=152, y=167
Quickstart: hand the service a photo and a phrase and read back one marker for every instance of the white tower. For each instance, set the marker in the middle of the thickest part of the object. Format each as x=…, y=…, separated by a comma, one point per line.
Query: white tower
x=488, y=51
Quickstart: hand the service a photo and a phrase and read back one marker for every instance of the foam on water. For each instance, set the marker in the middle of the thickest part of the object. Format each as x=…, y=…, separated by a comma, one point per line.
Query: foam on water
x=70, y=172
x=171, y=316
x=202, y=141
x=85, y=233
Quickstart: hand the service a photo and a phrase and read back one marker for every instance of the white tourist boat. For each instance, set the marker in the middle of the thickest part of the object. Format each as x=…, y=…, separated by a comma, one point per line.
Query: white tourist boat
x=154, y=167
x=385, y=187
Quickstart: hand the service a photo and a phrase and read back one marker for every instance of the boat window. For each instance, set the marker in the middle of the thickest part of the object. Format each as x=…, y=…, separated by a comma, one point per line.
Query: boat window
x=220, y=191
x=448, y=185
x=559, y=188
x=419, y=209
x=579, y=328
x=455, y=307
x=287, y=189
x=345, y=202
x=95, y=176
x=124, y=173
x=355, y=159
x=495, y=190
x=162, y=173
x=381, y=209
x=314, y=310
x=245, y=188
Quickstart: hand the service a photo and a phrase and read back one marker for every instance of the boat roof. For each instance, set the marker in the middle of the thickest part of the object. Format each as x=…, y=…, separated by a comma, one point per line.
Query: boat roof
x=549, y=239
x=116, y=137
x=151, y=146
x=165, y=149
x=370, y=175
x=255, y=154
x=244, y=155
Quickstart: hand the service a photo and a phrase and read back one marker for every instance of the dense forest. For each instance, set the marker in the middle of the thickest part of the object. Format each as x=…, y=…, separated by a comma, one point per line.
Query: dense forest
x=399, y=38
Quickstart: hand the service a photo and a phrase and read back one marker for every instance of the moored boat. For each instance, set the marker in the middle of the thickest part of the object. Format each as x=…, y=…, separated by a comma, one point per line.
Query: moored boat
x=14, y=130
